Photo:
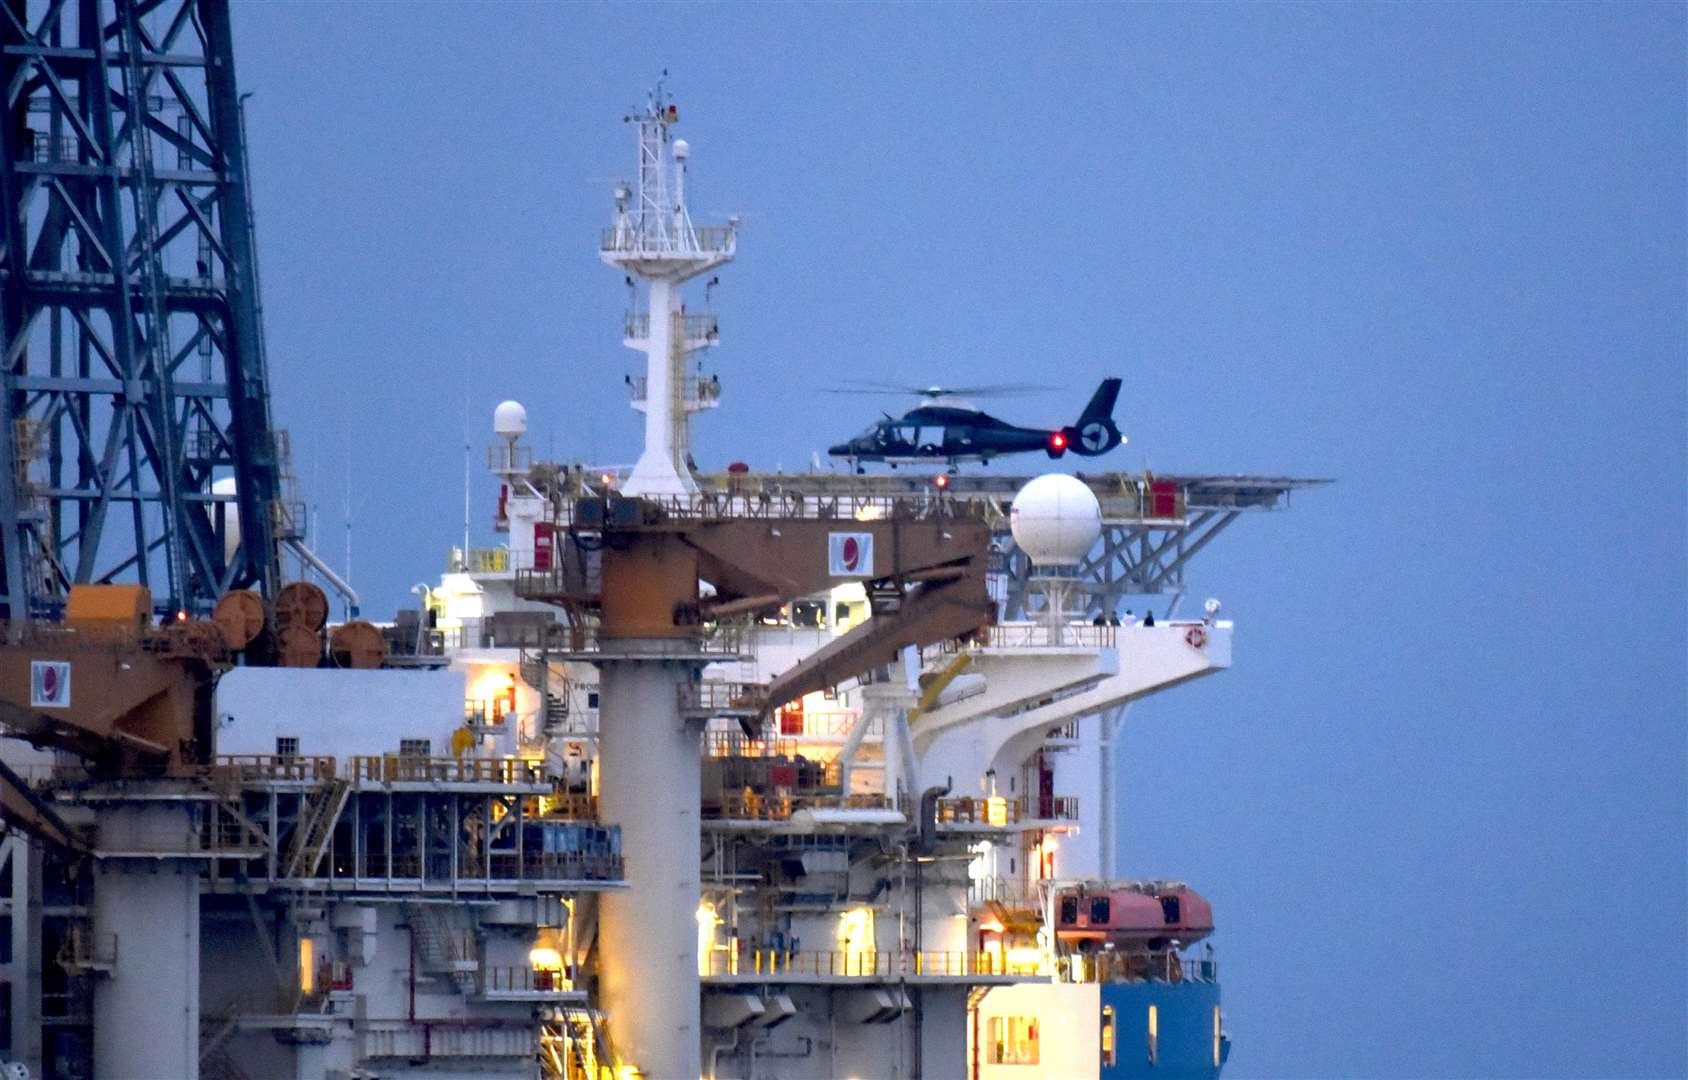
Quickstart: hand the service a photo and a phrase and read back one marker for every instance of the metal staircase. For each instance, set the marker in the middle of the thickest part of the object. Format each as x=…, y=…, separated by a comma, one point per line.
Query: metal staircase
x=553, y=685
x=439, y=951
x=317, y=814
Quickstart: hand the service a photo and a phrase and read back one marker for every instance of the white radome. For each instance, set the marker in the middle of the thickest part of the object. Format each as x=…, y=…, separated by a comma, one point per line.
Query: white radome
x=1056, y=520
x=682, y=149
x=509, y=419
x=231, y=518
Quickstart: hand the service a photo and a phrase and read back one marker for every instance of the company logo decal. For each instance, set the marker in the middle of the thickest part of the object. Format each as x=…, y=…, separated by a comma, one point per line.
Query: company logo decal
x=49, y=684
x=850, y=554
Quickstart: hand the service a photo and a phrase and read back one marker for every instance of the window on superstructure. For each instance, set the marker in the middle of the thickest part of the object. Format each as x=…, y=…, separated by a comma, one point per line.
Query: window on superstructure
x=286, y=746
x=809, y=614
x=416, y=748
x=1101, y=910
x=592, y=699
x=1154, y=1035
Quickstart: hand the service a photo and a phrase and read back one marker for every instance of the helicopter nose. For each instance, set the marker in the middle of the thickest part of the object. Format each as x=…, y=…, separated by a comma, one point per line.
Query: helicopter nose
x=841, y=450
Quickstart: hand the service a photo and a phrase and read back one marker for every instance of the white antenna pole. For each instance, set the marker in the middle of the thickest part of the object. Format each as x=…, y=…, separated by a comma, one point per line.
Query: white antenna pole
x=347, y=506
x=466, y=437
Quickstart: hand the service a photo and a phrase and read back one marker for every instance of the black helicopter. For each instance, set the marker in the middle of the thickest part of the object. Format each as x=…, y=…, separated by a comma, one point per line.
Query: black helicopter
x=957, y=432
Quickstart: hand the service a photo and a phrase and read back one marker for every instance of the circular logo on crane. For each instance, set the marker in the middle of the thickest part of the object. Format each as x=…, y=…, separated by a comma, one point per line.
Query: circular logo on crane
x=49, y=684
x=850, y=554
x=1093, y=436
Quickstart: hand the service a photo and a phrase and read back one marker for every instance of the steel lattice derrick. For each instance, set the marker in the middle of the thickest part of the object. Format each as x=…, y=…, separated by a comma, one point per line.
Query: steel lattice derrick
x=131, y=355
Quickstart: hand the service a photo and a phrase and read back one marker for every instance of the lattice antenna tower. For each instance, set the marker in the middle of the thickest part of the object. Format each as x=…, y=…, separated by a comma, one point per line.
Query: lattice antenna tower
x=653, y=240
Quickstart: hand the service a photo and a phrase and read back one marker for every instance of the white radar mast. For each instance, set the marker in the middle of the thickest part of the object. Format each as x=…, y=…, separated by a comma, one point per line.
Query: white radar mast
x=653, y=240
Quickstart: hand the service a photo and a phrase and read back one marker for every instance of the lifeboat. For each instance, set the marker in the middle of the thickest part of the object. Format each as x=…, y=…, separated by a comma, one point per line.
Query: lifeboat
x=1150, y=915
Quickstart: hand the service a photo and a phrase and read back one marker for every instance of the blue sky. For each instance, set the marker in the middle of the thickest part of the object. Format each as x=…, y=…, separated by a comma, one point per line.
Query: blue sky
x=1434, y=251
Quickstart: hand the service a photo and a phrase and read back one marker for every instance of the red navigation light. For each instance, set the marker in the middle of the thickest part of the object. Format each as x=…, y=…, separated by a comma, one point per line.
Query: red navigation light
x=941, y=480
x=181, y=616
x=1057, y=441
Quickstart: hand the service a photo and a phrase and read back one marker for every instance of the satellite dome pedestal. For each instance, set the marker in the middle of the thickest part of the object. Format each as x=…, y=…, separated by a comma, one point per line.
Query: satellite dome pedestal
x=1056, y=520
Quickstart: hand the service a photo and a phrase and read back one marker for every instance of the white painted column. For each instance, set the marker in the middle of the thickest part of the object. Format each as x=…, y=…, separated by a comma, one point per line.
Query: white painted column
x=649, y=768
x=661, y=469
x=1112, y=722
x=1076, y=774
x=146, y=1011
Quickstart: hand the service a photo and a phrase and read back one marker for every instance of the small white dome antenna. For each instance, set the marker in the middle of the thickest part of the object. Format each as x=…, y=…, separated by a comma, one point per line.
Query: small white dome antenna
x=509, y=422
x=682, y=150
x=1056, y=519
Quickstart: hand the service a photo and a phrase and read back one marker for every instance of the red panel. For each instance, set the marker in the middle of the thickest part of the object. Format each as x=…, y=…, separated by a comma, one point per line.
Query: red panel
x=544, y=541
x=1163, y=499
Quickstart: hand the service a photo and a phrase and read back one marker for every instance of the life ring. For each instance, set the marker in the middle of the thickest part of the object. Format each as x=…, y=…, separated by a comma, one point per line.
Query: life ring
x=1196, y=637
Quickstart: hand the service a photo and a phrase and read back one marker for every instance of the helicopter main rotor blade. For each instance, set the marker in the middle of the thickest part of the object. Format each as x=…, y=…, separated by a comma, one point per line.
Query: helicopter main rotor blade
x=863, y=386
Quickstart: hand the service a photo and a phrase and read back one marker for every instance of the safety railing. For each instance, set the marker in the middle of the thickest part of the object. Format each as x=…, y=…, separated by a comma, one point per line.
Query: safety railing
x=700, y=327
x=755, y=807
x=699, y=389
x=666, y=240
x=970, y=810
x=851, y=963
x=1009, y=892
x=730, y=502
x=1059, y=808
x=390, y=768
x=571, y=806
x=1039, y=636
x=516, y=979
x=722, y=698
x=476, y=714
x=719, y=744
x=559, y=866
x=724, y=641
x=999, y=810
x=828, y=723
x=1167, y=966
x=478, y=560
x=245, y=768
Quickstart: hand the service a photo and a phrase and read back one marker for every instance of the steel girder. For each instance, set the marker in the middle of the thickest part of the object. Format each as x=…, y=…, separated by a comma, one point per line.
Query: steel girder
x=1146, y=558
x=131, y=354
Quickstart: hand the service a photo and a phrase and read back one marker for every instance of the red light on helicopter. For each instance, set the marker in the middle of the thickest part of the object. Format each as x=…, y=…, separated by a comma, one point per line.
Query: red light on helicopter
x=1057, y=441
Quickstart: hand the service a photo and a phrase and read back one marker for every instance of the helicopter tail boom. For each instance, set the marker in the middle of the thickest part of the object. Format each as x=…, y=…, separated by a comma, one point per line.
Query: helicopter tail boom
x=1095, y=433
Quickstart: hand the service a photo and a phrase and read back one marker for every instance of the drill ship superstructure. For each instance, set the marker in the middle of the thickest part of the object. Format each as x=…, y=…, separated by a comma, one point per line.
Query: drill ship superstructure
x=695, y=775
